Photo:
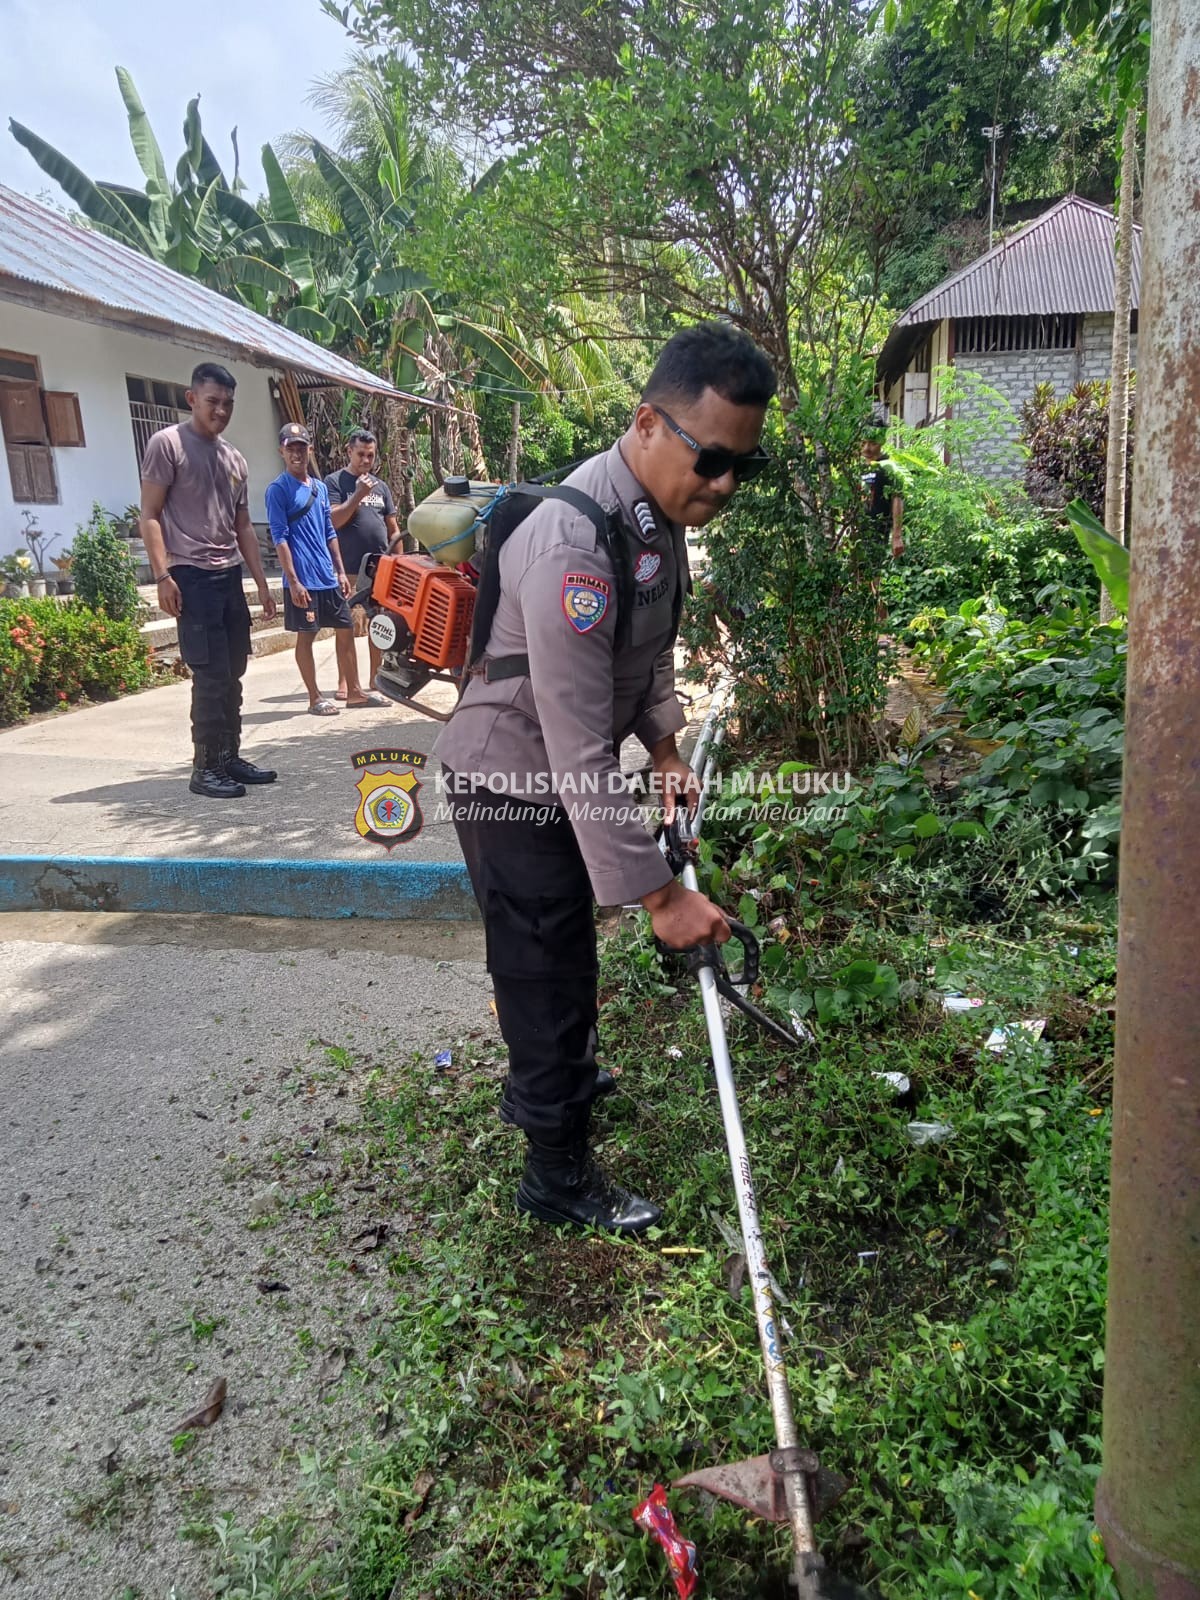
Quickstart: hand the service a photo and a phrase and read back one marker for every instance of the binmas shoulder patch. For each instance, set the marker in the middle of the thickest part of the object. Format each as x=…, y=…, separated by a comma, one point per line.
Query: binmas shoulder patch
x=584, y=600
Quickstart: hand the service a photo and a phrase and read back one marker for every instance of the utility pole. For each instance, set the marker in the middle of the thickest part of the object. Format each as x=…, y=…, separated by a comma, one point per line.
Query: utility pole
x=993, y=134
x=1148, y=1500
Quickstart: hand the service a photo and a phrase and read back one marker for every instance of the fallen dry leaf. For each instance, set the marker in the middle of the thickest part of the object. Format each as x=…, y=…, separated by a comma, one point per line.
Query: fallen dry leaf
x=735, y=1268
x=371, y=1238
x=422, y=1485
x=333, y=1365
x=214, y=1404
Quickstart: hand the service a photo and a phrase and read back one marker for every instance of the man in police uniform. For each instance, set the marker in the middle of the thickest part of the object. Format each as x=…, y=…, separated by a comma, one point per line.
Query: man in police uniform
x=571, y=680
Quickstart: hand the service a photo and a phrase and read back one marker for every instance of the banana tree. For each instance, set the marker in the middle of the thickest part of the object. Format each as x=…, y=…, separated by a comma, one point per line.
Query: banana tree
x=195, y=221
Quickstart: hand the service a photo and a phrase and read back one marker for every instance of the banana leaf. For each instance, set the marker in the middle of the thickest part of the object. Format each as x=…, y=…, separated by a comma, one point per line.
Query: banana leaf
x=351, y=202
x=1110, y=559
x=96, y=205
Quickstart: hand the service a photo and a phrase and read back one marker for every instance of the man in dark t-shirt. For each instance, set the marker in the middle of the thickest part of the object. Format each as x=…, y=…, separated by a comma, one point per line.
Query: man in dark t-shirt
x=883, y=506
x=883, y=514
x=364, y=518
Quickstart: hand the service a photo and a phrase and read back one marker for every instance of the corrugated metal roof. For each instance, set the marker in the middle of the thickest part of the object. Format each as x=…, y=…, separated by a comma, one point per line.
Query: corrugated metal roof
x=1060, y=263
x=40, y=246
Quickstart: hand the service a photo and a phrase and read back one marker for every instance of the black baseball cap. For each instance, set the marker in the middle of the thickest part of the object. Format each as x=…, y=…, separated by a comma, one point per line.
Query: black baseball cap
x=294, y=433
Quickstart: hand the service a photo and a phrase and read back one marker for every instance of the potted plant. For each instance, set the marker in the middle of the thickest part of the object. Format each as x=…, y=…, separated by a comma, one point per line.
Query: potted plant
x=17, y=569
x=64, y=563
x=39, y=543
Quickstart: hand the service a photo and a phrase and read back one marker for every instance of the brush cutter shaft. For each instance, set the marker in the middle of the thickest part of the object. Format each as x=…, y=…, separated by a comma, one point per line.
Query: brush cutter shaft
x=799, y=1511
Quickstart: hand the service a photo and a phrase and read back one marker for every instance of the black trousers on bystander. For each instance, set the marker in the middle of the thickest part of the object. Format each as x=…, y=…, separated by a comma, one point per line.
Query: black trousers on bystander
x=214, y=641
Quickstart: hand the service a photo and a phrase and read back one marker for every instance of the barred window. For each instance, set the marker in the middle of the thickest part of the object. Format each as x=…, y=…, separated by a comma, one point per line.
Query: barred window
x=153, y=405
x=979, y=336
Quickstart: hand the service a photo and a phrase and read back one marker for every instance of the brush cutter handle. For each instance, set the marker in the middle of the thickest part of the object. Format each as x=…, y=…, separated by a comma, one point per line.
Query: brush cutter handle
x=710, y=955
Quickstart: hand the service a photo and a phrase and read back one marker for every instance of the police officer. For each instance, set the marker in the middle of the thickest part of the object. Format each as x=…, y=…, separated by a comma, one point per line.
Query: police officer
x=530, y=757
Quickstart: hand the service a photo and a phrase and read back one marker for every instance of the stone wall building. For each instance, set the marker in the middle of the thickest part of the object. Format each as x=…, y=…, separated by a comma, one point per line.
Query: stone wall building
x=1037, y=308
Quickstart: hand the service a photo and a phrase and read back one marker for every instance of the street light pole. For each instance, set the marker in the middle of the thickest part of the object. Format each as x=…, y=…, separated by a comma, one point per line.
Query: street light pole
x=1148, y=1500
x=993, y=134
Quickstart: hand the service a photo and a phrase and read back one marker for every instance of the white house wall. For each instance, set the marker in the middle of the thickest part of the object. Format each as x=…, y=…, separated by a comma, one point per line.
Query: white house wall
x=92, y=362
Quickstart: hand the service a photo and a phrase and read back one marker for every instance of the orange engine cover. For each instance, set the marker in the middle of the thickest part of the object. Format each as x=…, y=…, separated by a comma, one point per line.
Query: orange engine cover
x=436, y=603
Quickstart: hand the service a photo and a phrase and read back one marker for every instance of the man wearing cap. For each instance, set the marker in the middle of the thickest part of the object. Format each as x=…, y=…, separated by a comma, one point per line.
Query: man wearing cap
x=315, y=585
x=580, y=655
x=195, y=524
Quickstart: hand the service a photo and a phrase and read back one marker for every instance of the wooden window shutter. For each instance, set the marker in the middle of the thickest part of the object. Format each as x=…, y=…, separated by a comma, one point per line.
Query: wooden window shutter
x=21, y=413
x=45, y=486
x=63, y=418
x=20, y=476
x=31, y=473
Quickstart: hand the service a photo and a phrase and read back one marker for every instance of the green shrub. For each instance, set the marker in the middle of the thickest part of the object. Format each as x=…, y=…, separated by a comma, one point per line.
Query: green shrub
x=1068, y=444
x=790, y=600
x=52, y=655
x=104, y=569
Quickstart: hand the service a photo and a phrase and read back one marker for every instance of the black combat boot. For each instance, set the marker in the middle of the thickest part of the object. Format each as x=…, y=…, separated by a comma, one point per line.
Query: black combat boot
x=209, y=776
x=564, y=1184
x=605, y=1084
x=243, y=771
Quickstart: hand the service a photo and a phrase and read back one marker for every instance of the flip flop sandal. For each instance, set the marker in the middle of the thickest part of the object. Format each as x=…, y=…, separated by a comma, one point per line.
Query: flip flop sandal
x=324, y=708
x=372, y=699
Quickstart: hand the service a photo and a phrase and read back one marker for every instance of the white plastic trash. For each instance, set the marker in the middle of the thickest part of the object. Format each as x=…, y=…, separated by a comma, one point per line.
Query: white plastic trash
x=999, y=1039
x=960, y=1002
x=896, y=1080
x=801, y=1028
x=929, y=1132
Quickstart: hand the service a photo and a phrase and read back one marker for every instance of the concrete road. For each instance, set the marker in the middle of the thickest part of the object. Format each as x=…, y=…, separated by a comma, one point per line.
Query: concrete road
x=111, y=780
x=159, y=1075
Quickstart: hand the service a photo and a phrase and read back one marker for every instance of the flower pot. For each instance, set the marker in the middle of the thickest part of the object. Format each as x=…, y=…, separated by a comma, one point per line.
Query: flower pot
x=16, y=591
x=66, y=586
x=37, y=588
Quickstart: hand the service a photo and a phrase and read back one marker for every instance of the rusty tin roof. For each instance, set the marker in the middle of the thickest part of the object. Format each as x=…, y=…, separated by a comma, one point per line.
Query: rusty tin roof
x=1060, y=264
x=92, y=277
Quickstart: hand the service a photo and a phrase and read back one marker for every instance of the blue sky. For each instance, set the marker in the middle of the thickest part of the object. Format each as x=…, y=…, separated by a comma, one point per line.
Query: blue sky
x=251, y=62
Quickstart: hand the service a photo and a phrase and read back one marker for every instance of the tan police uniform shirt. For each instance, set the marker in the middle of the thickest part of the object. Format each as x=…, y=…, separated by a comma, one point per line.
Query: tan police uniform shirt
x=560, y=728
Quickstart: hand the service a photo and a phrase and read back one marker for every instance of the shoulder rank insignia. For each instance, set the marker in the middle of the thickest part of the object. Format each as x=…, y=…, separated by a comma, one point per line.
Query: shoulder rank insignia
x=643, y=517
x=584, y=600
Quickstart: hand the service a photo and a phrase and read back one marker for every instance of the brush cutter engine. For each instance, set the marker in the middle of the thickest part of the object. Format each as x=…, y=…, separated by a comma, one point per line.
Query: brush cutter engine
x=420, y=619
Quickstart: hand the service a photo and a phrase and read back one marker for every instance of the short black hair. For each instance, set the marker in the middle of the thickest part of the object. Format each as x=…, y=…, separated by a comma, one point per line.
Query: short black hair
x=210, y=372
x=711, y=355
x=361, y=436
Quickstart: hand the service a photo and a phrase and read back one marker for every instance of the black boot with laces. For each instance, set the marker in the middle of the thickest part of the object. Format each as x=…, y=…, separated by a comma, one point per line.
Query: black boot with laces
x=210, y=778
x=564, y=1184
x=243, y=771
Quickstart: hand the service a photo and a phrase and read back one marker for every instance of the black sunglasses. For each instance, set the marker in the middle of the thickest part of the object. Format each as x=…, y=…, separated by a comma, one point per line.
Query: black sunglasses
x=713, y=462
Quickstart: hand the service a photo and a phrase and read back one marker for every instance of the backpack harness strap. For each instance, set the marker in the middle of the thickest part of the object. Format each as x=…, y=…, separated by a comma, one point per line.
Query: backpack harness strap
x=611, y=533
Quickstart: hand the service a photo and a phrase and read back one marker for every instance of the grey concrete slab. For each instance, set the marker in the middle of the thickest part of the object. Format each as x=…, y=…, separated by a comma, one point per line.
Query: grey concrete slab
x=111, y=780
x=159, y=1075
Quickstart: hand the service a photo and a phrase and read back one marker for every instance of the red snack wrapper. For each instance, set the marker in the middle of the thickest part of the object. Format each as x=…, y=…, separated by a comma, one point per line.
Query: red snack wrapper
x=655, y=1516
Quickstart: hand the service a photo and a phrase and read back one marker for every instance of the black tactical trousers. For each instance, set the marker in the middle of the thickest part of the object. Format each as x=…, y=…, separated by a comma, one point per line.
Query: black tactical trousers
x=536, y=899
x=214, y=641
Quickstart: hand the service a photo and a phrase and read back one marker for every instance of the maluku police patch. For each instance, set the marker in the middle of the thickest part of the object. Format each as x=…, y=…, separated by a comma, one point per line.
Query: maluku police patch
x=584, y=600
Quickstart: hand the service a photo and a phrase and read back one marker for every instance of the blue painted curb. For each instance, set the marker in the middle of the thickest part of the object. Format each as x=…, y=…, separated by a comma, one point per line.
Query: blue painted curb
x=389, y=891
